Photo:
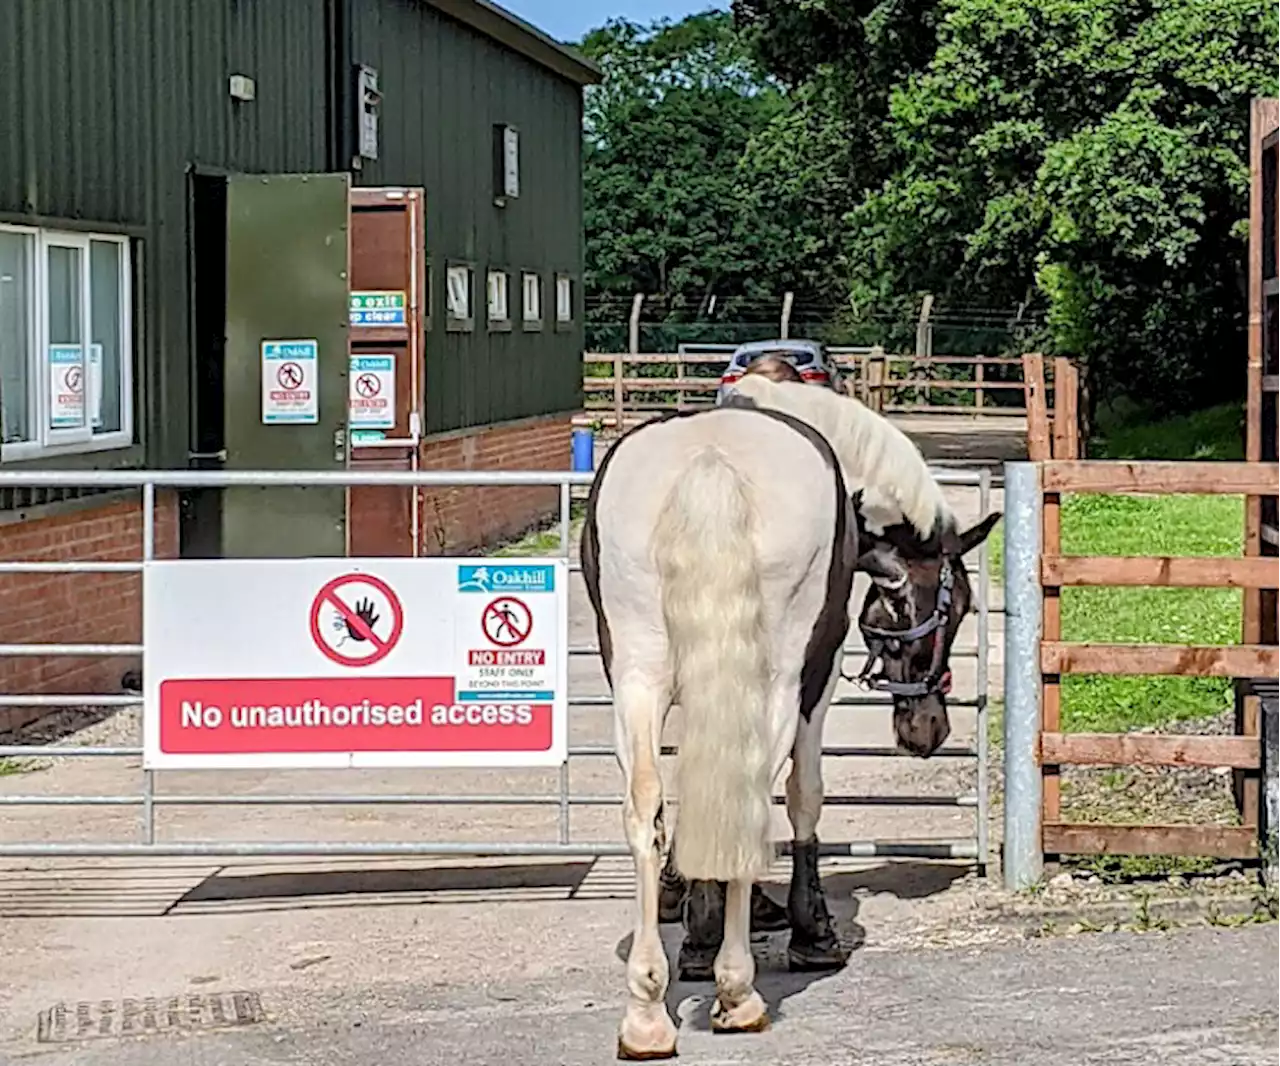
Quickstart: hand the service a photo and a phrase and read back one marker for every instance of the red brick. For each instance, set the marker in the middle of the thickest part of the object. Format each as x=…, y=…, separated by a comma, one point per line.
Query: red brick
x=75, y=608
x=459, y=519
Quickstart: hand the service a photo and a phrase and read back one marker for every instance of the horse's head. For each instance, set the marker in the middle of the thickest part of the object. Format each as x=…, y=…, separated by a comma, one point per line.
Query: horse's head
x=919, y=595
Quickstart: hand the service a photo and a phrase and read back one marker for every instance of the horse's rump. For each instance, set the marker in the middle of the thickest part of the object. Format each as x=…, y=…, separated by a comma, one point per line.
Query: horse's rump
x=717, y=547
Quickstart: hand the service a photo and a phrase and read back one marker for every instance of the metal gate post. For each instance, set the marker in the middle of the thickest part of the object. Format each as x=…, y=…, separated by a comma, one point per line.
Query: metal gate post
x=984, y=681
x=1023, y=604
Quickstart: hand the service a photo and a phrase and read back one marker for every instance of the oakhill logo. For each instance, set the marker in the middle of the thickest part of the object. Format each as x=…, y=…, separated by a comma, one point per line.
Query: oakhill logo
x=496, y=578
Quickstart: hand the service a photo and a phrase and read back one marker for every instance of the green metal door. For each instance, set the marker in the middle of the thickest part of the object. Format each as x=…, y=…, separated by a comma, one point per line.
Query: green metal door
x=285, y=391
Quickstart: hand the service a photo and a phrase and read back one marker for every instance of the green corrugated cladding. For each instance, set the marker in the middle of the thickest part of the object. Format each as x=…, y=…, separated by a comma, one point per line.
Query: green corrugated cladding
x=444, y=87
x=108, y=103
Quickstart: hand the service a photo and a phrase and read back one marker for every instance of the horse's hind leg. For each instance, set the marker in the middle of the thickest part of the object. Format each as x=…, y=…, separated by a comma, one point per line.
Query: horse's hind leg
x=647, y=1030
x=739, y=1007
x=813, y=941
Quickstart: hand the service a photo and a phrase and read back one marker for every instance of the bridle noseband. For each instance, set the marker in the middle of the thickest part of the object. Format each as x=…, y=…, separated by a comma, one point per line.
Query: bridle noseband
x=881, y=640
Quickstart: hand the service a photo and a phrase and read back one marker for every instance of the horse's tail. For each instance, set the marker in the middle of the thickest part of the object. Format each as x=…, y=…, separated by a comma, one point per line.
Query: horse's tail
x=714, y=613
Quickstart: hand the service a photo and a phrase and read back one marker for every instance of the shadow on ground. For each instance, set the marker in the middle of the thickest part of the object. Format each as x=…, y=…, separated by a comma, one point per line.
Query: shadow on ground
x=137, y=890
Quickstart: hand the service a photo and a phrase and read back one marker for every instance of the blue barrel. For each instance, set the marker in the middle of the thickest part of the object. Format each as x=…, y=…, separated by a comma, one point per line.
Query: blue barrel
x=584, y=451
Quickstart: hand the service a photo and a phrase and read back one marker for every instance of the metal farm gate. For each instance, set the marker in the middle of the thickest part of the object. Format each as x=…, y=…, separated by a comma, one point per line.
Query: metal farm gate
x=477, y=833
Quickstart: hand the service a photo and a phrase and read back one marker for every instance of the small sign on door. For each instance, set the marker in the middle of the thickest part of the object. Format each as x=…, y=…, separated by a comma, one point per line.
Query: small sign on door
x=289, y=386
x=377, y=308
x=372, y=392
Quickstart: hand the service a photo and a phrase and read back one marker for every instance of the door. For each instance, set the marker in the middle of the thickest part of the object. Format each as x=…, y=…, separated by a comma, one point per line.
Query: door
x=285, y=372
x=388, y=305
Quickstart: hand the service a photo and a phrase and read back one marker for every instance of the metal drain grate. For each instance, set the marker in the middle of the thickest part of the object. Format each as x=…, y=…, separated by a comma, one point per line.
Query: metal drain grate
x=139, y=1017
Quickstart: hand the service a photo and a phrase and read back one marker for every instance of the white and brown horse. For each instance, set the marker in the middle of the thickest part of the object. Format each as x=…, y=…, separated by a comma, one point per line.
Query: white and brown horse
x=719, y=553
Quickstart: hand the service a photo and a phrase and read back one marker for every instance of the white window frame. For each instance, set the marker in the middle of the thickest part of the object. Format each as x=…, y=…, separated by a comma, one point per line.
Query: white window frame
x=49, y=442
x=531, y=282
x=564, y=316
x=498, y=297
x=453, y=319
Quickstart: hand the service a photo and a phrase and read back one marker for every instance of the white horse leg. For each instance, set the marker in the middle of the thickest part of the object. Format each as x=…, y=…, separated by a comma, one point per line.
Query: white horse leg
x=739, y=1007
x=647, y=1030
x=813, y=941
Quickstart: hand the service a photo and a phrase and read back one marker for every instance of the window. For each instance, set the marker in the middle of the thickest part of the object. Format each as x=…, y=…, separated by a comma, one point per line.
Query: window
x=458, y=296
x=499, y=304
x=564, y=299
x=66, y=343
x=531, y=300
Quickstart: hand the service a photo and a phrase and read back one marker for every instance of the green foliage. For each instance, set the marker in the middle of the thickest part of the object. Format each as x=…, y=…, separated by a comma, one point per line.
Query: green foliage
x=1215, y=433
x=1084, y=154
x=665, y=135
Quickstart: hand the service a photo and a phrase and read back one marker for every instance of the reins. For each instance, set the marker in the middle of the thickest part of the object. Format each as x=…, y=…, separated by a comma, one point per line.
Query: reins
x=891, y=640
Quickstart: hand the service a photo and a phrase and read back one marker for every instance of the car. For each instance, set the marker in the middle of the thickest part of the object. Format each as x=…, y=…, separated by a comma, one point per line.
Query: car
x=809, y=358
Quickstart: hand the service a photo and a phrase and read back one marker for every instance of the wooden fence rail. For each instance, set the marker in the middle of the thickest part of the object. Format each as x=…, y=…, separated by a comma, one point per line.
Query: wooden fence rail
x=1059, y=657
x=620, y=386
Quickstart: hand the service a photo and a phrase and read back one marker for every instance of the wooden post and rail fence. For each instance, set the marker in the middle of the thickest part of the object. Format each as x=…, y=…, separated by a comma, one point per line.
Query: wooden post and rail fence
x=623, y=388
x=1037, y=658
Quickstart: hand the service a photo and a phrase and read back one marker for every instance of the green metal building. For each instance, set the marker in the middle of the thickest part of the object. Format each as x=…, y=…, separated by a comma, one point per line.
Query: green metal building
x=176, y=186
x=112, y=106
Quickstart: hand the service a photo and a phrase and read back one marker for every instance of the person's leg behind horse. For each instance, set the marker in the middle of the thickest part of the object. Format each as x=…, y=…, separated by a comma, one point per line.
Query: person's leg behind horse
x=813, y=945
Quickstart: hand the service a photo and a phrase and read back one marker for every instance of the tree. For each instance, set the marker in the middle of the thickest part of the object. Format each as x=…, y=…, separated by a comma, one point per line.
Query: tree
x=1090, y=153
x=664, y=137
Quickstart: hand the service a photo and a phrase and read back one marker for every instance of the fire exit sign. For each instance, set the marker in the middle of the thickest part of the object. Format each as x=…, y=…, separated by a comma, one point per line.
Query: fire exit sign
x=371, y=308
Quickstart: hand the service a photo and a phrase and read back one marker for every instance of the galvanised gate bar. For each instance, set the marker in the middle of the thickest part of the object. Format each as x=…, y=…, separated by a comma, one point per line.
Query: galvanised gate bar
x=149, y=798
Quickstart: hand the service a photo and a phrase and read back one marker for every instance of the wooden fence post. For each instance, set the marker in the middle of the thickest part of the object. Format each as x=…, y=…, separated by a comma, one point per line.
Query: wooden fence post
x=875, y=379
x=1269, y=812
x=619, y=364
x=788, y=298
x=979, y=376
x=1063, y=409
x=924, y=328
x=1037, y=413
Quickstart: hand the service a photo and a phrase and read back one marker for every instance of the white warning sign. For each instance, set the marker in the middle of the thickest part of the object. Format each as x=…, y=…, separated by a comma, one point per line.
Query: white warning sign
x=289, y=386
x=372, y=392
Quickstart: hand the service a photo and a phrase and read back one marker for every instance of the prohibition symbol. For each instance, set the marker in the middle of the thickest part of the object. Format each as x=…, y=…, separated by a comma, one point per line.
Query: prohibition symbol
x=368, y=386
x=507, y=622
x=356, y=620
x=289, y=375
x=74, y=378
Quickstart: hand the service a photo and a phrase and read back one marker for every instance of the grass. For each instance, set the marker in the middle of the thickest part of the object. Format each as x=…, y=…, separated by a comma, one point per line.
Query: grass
x=1153, y=525
x=543, y=541
x=1150, y=525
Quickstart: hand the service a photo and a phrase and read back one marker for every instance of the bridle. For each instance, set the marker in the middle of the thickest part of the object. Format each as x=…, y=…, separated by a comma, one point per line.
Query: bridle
x=891, y=640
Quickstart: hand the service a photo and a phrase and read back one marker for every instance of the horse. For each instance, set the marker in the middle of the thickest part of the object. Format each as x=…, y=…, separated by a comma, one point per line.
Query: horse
x=718, y=552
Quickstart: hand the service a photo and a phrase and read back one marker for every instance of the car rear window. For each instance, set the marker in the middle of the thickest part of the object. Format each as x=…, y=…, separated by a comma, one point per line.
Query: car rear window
x=794, y=356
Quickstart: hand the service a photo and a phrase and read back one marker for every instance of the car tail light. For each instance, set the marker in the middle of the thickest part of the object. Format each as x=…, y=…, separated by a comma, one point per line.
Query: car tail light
x=814, y=375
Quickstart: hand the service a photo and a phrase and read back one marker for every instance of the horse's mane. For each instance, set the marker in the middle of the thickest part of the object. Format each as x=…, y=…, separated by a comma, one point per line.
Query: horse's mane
x=877, y=458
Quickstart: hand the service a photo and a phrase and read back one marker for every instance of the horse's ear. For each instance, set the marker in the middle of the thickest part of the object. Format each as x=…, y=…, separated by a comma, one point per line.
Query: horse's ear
x=972, y=537
x=883, y=565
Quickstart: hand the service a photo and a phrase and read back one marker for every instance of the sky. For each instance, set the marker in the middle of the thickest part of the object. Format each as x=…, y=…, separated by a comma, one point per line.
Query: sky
x=569, y=20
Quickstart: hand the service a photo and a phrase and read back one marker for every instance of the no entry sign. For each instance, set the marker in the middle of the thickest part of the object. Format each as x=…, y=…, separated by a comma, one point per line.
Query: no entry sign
x=373, y=662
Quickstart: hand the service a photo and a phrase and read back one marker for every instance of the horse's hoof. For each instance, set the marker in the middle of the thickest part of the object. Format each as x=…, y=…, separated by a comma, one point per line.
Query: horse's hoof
x=816, y=958
x=647, y=1039
x=766, y=915
x=629, y=1054
x=749, y=1016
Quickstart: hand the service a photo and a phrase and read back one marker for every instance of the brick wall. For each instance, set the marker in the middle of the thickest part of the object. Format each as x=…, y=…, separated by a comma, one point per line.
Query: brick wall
x=75, y=608
x=459, y=519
